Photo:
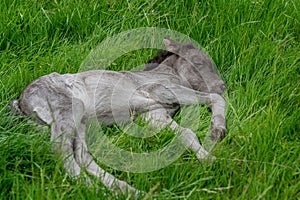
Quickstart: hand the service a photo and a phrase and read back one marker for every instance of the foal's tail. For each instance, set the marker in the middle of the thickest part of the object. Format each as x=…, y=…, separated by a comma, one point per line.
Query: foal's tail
x=14, y=108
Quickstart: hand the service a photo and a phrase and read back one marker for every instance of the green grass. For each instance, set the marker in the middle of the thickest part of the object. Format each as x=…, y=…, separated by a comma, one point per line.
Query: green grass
x=256, y=46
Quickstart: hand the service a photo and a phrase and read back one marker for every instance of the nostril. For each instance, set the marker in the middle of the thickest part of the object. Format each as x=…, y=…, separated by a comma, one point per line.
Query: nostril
x=223, y=86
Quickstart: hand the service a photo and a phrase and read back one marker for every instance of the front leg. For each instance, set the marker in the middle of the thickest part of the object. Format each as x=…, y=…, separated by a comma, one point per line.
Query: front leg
x=177, y=94
x=218, y=121
x=160, y=119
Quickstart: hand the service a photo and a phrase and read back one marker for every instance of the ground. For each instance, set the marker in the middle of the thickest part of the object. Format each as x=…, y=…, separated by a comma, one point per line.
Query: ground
x=255, y=45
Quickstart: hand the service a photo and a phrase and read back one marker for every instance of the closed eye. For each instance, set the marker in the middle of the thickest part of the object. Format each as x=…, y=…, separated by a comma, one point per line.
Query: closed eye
x=197, y=61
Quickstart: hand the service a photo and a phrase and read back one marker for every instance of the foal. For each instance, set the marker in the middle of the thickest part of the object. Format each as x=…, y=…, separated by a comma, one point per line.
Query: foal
x=182, y=76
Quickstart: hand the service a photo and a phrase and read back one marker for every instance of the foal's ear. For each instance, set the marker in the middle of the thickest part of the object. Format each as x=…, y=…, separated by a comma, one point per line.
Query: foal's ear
x=172, y=45
x=190, y=46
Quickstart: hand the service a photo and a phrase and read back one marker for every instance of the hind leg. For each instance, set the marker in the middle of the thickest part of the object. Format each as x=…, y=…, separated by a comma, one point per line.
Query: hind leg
x=68, y=135
x=85, y=159
x=56, y=112
x=62, y=135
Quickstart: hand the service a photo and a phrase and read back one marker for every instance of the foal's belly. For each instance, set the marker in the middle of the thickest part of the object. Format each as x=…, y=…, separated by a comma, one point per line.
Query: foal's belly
x=115, y=98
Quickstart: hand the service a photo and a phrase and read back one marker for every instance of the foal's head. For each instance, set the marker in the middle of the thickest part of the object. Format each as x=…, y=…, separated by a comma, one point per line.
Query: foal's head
x=193, y=66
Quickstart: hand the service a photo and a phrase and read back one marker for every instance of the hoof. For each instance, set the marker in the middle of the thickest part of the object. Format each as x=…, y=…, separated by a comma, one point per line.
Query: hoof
x=217, y=133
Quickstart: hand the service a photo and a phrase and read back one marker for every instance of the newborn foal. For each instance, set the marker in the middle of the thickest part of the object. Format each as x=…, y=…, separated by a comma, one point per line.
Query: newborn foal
x=182, y=76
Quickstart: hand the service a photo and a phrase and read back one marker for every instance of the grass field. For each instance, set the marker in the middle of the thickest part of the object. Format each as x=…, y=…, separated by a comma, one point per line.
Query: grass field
x=256, y=46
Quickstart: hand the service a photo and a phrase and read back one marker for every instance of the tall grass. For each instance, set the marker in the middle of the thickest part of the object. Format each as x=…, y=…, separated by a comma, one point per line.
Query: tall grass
x=255, y=45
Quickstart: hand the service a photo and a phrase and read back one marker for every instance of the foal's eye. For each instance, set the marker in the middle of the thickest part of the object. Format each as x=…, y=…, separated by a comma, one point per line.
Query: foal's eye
x=197, y=61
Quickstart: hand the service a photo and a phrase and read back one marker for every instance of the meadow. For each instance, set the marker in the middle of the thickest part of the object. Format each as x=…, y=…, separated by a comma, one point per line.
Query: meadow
x=256, y=47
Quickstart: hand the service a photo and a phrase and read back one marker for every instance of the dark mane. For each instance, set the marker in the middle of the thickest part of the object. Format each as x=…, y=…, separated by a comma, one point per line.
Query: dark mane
x=159, y=58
